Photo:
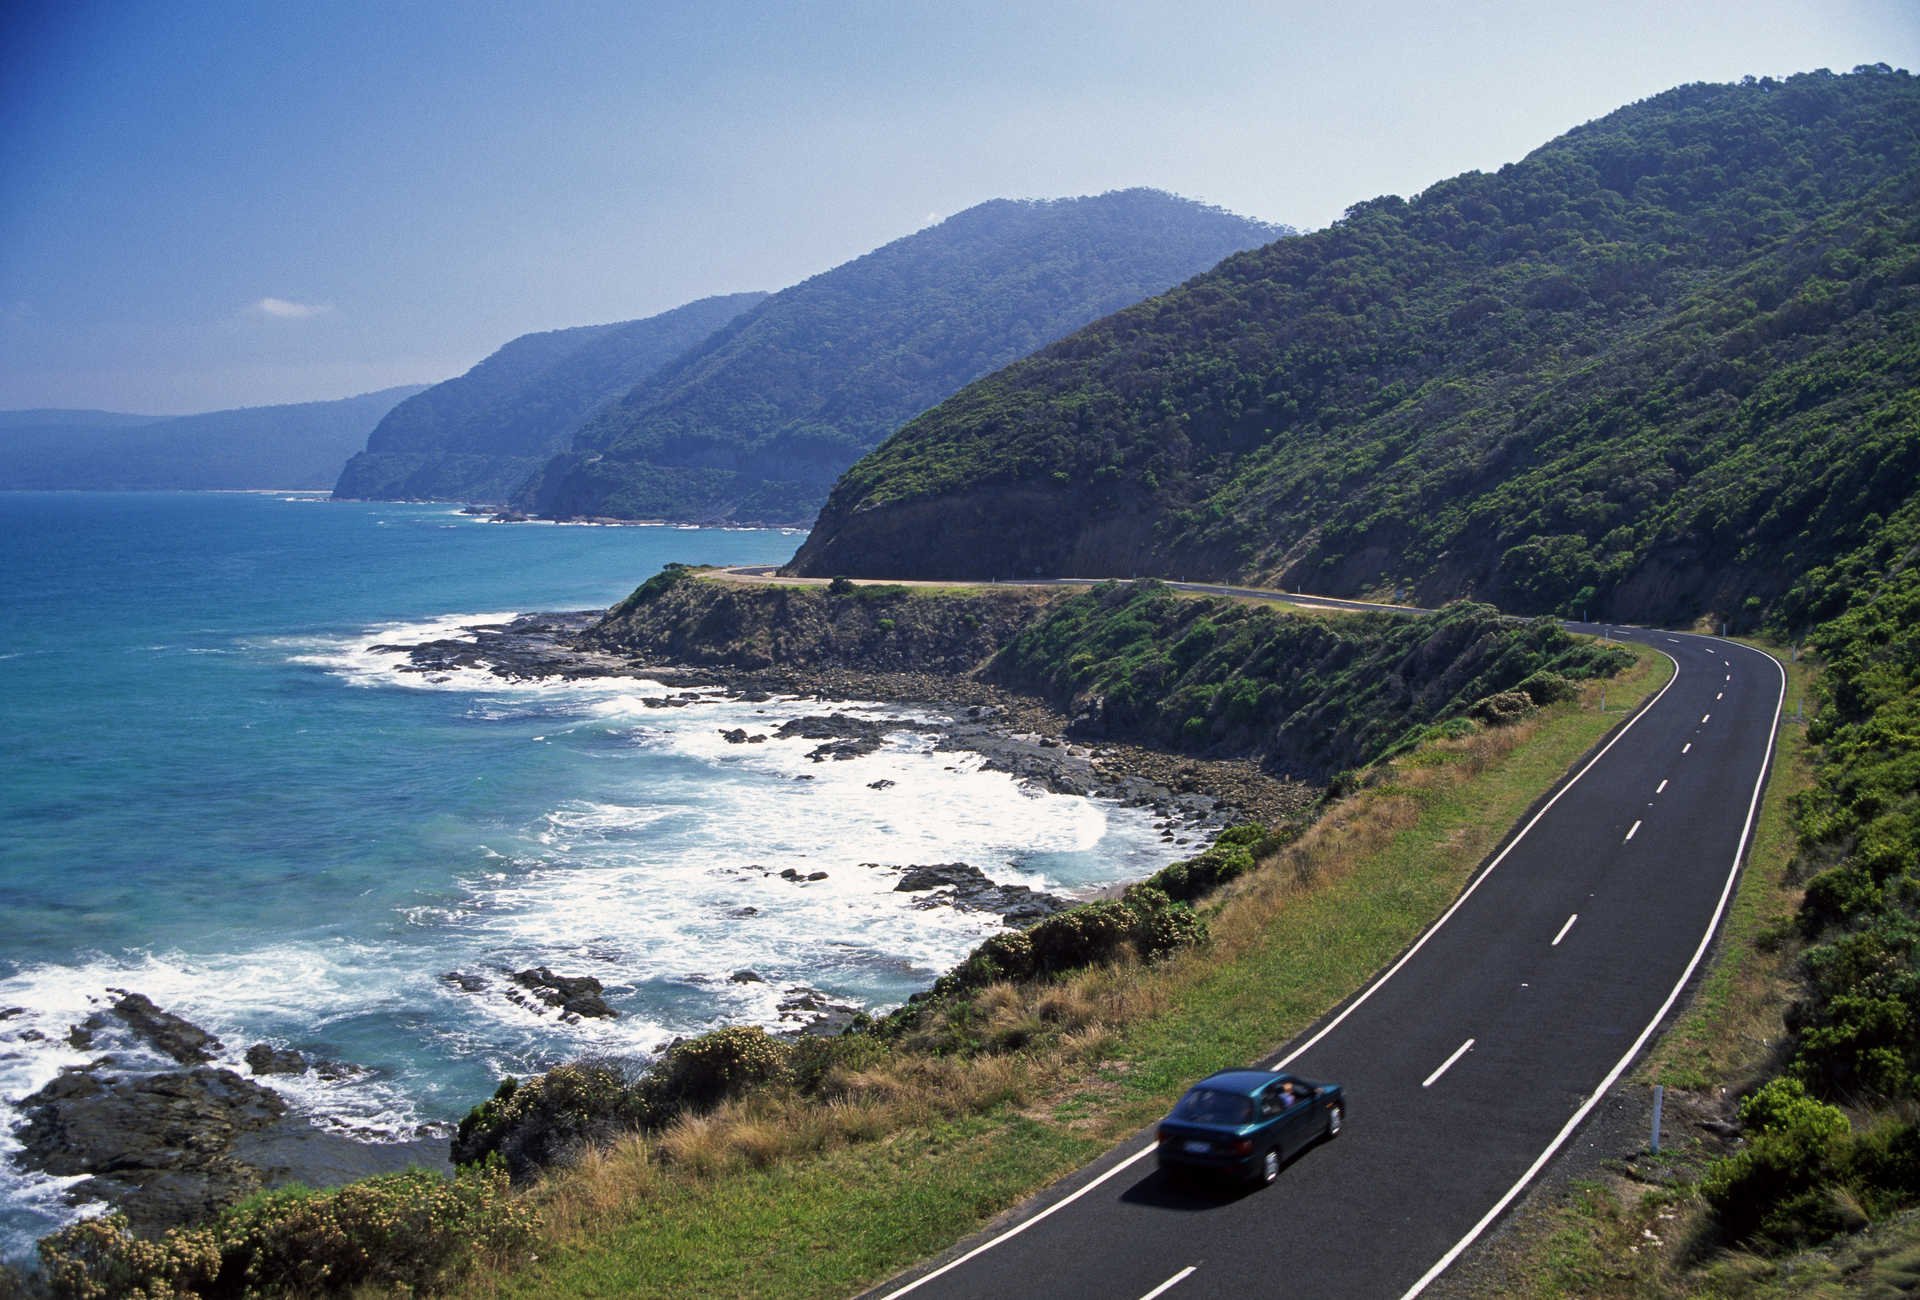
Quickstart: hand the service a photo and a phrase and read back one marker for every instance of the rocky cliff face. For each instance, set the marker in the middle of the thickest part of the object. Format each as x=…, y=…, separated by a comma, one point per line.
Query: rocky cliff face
x=717, y=624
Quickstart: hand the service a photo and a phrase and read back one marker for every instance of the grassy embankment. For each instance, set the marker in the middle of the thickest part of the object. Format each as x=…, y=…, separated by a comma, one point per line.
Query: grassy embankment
x=770, y=1195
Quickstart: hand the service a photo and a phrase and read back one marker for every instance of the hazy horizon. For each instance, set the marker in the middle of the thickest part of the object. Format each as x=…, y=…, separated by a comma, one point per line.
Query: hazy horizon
x=234, y=205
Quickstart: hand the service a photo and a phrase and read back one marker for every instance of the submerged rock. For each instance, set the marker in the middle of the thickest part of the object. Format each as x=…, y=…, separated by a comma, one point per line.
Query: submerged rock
x=263, y=1058
x=166, y=1033
x=574, y=995
x=846, y=737
x=956, y=884
x=807, y=1012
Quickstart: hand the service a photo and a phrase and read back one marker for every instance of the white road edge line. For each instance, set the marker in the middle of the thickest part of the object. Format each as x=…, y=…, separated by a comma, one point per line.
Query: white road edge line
x=1632, y=831
x=1447, y=1064
x=1661, y=788
x=1478, y=880
x=1563, y=929
x=1346, y=1011
x=1620, y=1067
x=1171, y=1282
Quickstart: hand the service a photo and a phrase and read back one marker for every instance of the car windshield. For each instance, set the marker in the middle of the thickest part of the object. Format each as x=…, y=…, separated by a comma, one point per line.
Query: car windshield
x=1211, y=1106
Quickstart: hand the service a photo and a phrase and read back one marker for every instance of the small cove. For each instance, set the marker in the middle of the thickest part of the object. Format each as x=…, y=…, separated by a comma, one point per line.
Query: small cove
x=221, y=795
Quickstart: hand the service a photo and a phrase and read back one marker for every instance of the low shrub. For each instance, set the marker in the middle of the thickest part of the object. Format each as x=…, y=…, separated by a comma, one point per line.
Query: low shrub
x=1778, y=1192
x=698, y=1073
x=550, y=1117
x=413, y=1232
x=1547, y=687
x=1502, y=708
x=1198, y=876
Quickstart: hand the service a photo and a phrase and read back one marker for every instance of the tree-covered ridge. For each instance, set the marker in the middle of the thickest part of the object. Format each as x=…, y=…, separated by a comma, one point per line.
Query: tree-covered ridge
x=478, y=436
x=1649, y=369
x=299, y=445
x=758, y=422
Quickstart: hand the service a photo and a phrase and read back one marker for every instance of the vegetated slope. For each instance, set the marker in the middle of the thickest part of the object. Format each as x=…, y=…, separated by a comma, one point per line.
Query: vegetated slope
x=1307, y=696
x=1809, y=1170
x=757, y=423
x=1654, y=368
x=295, y=446
x=478, y=436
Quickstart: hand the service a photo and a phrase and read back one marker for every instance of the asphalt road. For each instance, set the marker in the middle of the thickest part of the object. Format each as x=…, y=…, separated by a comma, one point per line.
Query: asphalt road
x=1470, y=1061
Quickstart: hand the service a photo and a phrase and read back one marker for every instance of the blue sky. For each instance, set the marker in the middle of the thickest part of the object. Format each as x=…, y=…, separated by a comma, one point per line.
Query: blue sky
x=215, y=204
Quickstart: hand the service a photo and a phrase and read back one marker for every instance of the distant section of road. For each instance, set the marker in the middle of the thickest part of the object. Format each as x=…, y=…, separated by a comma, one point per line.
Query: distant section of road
x=770, y=573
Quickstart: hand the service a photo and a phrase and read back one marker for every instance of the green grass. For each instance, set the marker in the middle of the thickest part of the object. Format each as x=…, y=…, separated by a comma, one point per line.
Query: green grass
x=832, y=1223
x=817, y=1227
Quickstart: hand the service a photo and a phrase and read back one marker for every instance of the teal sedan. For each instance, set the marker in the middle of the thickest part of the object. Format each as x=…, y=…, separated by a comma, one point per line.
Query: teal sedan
x=1245, y=1124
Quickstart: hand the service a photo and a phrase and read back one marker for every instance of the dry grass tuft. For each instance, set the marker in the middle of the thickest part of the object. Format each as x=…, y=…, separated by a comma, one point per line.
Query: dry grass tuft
x=696, y=1144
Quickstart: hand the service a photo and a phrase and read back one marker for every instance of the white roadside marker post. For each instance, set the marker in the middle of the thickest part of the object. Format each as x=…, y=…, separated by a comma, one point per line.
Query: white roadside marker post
x=1659, y=1095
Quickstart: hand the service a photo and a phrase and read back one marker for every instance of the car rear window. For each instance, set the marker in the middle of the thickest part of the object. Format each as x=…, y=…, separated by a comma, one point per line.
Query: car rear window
x=1211, y=1106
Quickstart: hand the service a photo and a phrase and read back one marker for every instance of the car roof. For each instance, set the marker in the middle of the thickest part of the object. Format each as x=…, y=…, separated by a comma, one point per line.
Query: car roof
x=1245, y=1082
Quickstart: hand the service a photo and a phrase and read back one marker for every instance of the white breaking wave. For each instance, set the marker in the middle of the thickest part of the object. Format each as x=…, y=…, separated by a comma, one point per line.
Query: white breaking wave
x=664, y=881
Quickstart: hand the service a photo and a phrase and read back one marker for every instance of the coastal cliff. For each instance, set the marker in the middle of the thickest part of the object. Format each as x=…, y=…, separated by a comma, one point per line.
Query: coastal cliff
x=1299, y=695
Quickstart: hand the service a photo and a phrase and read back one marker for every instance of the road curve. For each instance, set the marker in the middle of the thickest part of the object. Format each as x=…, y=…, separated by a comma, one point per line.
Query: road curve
x=1470, y=1061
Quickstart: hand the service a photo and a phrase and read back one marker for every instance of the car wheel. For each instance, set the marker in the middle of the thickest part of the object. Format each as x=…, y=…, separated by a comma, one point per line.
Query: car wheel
x=1334, y=1115
x=1270, y=1165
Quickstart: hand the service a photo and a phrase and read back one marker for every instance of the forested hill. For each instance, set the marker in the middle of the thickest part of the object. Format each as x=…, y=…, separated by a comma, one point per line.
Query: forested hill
x=478, y=436
x=1656, y=368
x=295, y=446
x=757, y=423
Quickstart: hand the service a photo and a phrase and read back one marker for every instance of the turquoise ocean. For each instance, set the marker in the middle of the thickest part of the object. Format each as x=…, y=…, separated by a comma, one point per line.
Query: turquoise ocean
x=215, y=790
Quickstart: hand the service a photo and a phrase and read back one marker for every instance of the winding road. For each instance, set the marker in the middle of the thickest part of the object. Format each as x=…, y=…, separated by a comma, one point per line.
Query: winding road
x=1472, y=1060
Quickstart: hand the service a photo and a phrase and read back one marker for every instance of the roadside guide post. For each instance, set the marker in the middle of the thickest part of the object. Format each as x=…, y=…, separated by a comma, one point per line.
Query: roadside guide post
x=1659, y=1095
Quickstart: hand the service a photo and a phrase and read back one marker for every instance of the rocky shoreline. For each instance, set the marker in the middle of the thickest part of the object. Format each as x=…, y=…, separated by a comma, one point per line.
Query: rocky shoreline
x=1013, y=732
x=152, y=1126
x=158, y=1128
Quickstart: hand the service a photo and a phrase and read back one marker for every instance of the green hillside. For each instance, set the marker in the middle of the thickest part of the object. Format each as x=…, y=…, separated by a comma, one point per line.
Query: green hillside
x=478, y=436
x=1655, y=368
x=757, y=423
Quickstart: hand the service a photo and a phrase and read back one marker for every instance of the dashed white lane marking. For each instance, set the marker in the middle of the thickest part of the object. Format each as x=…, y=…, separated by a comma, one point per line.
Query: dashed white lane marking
x=1594, y=1098
x=1722, y=695
x=1171, y=1282
x=1367, y=993
x=1632, y=831
x=1661, y=788
x=1684, y=748
x=1447, y=1064
x=1674, y=639
x=1705, y=718
x=1563, y=931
